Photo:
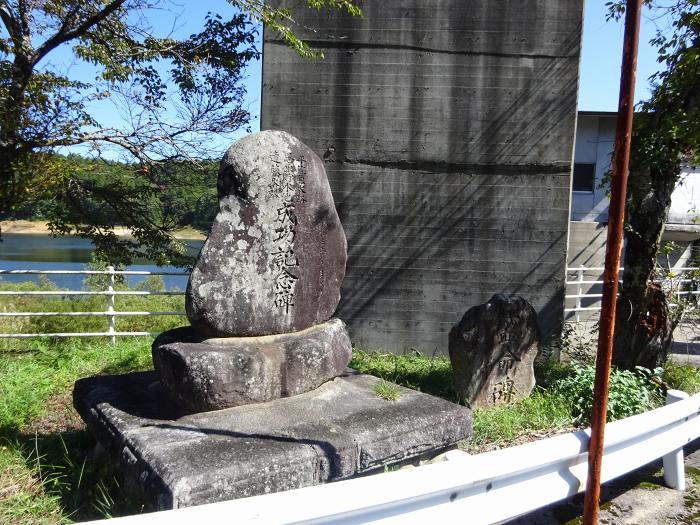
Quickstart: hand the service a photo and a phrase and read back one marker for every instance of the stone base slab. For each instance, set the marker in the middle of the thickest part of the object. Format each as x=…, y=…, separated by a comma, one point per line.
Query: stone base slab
x=337, y=431
x=201, y=374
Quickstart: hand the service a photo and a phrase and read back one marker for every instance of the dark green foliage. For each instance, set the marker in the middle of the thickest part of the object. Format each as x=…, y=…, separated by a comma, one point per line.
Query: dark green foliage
x=113, y=194
x=166, y=95
x=549, y=373
x=630, y=392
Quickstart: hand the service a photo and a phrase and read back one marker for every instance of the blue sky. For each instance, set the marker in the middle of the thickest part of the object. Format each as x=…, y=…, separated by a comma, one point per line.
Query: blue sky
x=599, y=75
x=601, y=56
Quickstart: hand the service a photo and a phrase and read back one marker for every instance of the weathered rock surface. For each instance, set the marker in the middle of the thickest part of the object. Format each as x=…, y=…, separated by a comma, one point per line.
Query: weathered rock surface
x=200, y=374
x=275, y=258
x=493, y=349
x=337, y=431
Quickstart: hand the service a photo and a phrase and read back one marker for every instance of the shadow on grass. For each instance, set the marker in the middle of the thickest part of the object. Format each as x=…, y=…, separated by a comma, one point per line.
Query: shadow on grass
x=71, y=467
x=128, y=363
x=67, y=461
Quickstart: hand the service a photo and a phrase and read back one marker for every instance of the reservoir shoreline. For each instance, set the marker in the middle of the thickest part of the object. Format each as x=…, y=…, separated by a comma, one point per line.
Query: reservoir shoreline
x=25, y=227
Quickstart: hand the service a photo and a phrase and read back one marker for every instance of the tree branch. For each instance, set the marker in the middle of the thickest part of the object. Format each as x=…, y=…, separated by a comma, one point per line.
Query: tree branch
x=9, y=19
x=64, y=36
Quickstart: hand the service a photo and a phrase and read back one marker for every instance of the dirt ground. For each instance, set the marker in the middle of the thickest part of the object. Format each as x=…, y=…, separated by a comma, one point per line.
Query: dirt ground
x=41, y=228
x=639, y=498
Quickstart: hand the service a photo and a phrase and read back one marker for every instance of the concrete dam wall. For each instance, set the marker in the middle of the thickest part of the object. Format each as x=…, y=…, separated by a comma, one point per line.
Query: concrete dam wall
x=447, y=132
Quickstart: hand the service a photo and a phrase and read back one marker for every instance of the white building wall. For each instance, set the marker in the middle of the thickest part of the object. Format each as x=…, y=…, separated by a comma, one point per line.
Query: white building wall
x=595, y=135
x=594, y=143
x=685, y=201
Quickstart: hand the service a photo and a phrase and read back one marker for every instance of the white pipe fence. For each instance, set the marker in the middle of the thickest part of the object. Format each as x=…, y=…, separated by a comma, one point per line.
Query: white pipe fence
x=110, y=294
x=580, y=282
x=485, y=488
x=582, y=287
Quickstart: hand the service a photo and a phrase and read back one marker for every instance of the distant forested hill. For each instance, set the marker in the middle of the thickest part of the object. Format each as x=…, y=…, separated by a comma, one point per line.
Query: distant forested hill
x=184, y=196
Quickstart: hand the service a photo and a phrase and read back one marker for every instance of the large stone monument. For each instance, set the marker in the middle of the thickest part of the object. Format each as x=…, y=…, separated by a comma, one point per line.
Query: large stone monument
x=264, y=287
x=254, y=396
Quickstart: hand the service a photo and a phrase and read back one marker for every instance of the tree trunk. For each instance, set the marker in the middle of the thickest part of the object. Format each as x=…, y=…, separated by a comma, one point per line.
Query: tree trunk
x=643, y=324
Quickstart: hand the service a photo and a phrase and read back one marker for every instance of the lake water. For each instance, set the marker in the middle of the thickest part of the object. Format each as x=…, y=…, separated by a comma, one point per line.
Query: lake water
x=42, y=252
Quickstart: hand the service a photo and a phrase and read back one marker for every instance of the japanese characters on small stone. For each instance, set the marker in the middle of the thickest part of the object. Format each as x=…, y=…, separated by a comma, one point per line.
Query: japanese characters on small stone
x=492, y=350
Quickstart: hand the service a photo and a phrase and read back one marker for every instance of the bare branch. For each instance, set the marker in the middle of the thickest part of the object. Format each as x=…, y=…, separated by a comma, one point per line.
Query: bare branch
x=11, y=22
x=64, y=35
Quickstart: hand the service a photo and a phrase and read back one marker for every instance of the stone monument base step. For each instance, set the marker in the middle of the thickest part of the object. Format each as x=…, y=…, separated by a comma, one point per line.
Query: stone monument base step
x=336, y=431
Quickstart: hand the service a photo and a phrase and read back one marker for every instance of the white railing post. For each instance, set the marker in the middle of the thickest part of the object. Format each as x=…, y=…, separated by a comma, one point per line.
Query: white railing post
x=674, y=470
x=110, y=312
x=111, y=318
x=581, y=271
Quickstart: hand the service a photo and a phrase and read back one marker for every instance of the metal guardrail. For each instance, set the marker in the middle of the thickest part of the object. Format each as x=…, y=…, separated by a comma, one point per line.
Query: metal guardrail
x=485, y=488
x=582, y=286
x=110, y=293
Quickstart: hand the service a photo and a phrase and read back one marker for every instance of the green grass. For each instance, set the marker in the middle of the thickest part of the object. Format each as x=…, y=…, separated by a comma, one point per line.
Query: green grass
x=541, y=411
x=28, y=380
x=682, y=377
x=432, y=375
x=50, y=474
x=386, y=391
x=24, y=495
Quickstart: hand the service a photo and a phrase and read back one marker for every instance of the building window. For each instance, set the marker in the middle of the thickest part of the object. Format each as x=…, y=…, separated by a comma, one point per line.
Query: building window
x=584, y=177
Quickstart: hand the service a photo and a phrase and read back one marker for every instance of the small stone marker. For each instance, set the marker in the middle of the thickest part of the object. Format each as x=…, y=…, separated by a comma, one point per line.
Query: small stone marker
x=275, y=258
x=493, y=349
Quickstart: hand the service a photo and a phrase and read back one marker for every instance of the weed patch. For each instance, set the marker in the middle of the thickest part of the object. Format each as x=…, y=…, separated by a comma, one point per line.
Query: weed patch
x=542, y=411
x=432, y=375
x=629, y=393
x=386, y=391
x=25, y=495
x=682, y=377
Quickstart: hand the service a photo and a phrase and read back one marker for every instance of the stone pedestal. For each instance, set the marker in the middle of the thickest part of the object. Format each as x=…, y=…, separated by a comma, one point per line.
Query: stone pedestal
x=339, y=430
x=200, y=374
x=259, y=369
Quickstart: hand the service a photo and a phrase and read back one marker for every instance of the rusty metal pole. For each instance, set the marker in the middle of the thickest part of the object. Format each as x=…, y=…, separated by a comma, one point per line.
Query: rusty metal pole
x=616, y=217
